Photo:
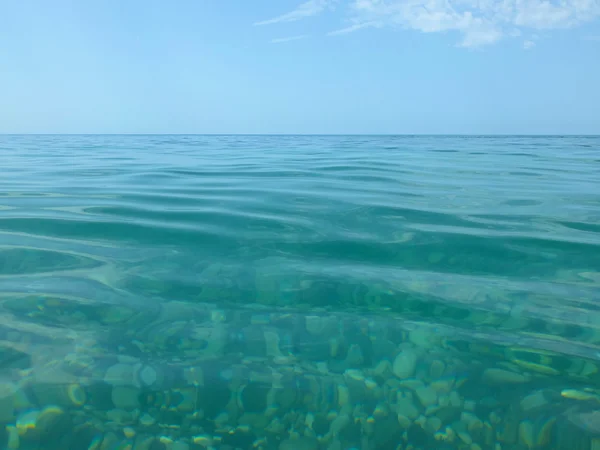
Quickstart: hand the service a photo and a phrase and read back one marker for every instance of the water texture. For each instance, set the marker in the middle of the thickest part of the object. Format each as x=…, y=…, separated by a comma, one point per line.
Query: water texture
x=299, y=292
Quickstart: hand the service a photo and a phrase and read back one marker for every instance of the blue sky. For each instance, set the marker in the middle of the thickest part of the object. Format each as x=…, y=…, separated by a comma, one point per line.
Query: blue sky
x=287, y=66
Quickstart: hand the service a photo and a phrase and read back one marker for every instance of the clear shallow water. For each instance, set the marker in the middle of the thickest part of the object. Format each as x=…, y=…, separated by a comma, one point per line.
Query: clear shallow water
x=188, y=292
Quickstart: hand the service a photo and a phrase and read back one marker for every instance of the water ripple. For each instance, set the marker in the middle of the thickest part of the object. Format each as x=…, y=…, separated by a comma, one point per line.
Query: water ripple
x=486, y=235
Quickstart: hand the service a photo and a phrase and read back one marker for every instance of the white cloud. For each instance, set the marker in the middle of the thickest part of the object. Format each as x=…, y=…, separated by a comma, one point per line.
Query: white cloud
x=307, y=9
x=288, y=39
x=480, y=22
x=352, y=28
x=528, y=45
x=477, y=22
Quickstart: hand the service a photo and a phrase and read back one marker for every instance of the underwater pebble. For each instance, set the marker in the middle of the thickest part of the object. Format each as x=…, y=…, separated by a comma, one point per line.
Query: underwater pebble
x=272, y=344
x=355, y=356
x=125, y=397
x=179, y=445
x=579, y=395
x=343, y=395
x=147, y=420
x=370, y=383
x=148, y=375
x=427, y=396
x=527, y=434
x=143, y=443
x=433, y=424
x=544, y=434
x=421, y=421
x=315, y=324
x=302, y=443
x=501, y=376
x=406, y=407
x=339, y=423
x=532, y=401
x=488, y=433
x=471, y=421
x=444, y=400
x=404, y=364
x=120, y=375
x=469, y=405
x=404, y=421
x=455, y=399
x=436, y=370
x=7, y=407
x=411, y=383
x=465, y=437
x=442, y=386
x=432, y=409
x=383, y=369
x=421, y=337
x=203, y=440
x=354, y=374
x=13, y=437
x=48, y=417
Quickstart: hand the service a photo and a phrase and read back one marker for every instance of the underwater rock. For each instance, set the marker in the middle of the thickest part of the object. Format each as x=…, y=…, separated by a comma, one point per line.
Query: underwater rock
x=144, y=443
x=148, y=376
x=355, y=357
x=437, y=368
x=454, y=399
x=527, y=434
x=13, y=437
x=426, y=395
x=7, y=407
x=421, y=337
x=125, y=397
x=405, y=407
x=121, y=375
x=109, y=442
x=575, y=394
x=465, y=437
x=405, y=364
x=383, y=370
x=501, y=376
x=302, y=443
x=587, y=421
x=533, y=401
x=339, y=423
x=433, y=424
x=147, y=420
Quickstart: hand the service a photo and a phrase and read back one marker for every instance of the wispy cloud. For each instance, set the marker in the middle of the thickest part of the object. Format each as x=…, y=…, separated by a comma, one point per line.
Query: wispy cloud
x=480, y=22
x=477, y=22
x=288, y=39
x=352, y=28
x=528, y=45
x=307, y=9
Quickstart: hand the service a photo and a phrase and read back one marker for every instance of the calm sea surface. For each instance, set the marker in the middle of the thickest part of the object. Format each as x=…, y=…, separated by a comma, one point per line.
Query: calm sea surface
x=299, y=292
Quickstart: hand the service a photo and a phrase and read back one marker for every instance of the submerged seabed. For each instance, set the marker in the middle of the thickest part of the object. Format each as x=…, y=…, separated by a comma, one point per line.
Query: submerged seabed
x=326, y=293
x=184, y=376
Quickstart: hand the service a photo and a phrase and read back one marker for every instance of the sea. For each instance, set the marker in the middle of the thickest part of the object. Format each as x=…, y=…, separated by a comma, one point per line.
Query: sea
x=189, y=292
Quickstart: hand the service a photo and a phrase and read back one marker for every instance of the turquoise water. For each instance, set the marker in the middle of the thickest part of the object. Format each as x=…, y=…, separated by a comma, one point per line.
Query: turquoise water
x=299, y=292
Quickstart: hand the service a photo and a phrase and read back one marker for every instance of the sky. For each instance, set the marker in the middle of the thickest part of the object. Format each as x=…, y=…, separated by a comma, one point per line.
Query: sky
x=294, y=67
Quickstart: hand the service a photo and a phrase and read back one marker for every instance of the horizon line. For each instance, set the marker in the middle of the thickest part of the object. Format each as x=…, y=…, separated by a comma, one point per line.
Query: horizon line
x=312, y=134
